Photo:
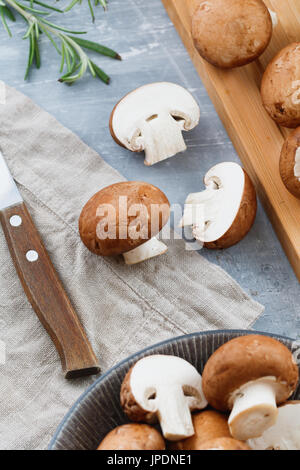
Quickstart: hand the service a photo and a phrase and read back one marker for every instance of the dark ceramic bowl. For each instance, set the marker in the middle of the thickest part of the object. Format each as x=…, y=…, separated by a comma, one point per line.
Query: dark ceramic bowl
x=98, y=410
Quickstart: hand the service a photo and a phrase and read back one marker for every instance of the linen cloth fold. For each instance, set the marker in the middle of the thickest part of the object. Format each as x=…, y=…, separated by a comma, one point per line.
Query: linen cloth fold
x=123, y=309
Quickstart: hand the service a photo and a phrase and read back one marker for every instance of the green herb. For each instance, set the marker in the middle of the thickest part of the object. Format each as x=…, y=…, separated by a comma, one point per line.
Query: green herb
x=90, y=4
x=74, y=60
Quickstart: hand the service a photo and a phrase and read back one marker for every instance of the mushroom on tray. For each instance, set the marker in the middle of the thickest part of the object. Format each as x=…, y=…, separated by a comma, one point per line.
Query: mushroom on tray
x=285, y=434
x=152, y=118
x=280, y=87
x=224, y=443
x=163, y=388
x=133, y=436
x=125, y=218
x=208, y=425
x=224, y=212
x=250, y=375
x=289, y=163
x=231, y=33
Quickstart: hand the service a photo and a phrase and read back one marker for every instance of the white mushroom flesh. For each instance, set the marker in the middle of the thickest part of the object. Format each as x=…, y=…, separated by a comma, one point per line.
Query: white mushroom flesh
x=254, y=408
x=212, y=211
x=285, y=434
x=169, y=387
x=274, y=18
x=152, y=119
x=147, y=250
x=297, y=164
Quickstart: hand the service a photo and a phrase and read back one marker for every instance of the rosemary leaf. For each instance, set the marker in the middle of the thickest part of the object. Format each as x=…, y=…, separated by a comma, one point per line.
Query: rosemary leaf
x=9, y=13
x=93, y=46
x=60, y=28
x=4, y=21
x=100, y=73
x=45, y=5
x=31, y=55
x=37, y=55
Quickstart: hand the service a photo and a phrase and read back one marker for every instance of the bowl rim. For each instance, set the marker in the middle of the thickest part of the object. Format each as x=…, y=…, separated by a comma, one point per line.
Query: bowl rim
x=145, y=350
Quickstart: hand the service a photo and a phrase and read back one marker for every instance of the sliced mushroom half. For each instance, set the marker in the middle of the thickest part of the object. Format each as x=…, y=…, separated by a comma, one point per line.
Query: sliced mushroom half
x=152, y=118
x=224, y=212
x=163, y=388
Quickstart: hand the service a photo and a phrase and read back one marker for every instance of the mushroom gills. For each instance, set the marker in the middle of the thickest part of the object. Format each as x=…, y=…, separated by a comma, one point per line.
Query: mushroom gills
x=147, y=250
x=297, y=164
x=254, y=408
x=160, y=137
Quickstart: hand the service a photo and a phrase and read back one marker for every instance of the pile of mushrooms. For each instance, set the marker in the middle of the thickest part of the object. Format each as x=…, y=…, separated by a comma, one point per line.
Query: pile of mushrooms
x=251, y=376
x=152, y=119
x=224, y=212
x=125, y=218
x=231, y=33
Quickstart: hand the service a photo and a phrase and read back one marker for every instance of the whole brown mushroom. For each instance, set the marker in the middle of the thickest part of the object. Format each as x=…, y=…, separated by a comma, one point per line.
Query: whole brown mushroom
x=125, y=218
x=250, y=375
x=208, y=425
x=133, y=436
x=289, y=164
x=224, y=443
x=230, y=33
x=280, y=87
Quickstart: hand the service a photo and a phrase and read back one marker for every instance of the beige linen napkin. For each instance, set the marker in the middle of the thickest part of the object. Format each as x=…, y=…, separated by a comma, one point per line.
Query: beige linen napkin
x=123, y=309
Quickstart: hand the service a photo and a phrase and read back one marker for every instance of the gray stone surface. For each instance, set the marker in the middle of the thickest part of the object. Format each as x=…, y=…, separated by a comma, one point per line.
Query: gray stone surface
x=142, y=33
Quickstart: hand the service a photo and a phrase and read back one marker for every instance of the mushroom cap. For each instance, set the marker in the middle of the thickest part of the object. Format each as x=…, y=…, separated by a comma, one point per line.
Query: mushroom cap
x=285, y=434
x=224, y=443
x=139, y=193
x=208, y=424
x=231, y=33
x=145, y=103
x=245, y=359
x=280, y=87
x=288, y=163
x=133, y=436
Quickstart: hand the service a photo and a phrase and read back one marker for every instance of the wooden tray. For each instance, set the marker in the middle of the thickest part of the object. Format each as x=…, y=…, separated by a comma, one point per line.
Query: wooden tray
x=257, y=139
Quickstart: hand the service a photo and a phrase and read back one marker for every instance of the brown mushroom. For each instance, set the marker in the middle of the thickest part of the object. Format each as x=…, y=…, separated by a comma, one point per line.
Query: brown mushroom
x=289, y=164
x=250, y=375
x=208, y=424
x=224, y=443
x=163, y=388
x=230, y=33
x=224, y=212
x=280, y=87
x=133, y=436
x=124, y=218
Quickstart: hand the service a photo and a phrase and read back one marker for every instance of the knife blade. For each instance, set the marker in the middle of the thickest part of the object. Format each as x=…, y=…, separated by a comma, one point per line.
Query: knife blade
x=41, y=282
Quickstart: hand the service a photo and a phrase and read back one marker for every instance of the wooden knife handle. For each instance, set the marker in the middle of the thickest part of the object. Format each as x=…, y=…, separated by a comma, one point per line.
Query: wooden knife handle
x=46, y=294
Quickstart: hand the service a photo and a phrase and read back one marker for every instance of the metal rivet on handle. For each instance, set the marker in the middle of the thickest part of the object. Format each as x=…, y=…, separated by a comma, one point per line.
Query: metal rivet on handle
x=32, y=256
x=15, y=221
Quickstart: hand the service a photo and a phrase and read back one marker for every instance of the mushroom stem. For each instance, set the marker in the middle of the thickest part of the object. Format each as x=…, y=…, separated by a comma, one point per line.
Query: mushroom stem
x=162, y=138
x=147, y=250
x=254, y=409
x=194, y=205
x=174, y=413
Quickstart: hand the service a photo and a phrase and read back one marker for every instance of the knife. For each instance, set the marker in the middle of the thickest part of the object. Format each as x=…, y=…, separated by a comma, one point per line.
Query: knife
x=41, y=282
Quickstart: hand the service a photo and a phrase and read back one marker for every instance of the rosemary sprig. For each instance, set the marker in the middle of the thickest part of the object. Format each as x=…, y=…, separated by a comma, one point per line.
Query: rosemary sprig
x=96, y=3
x=74, y=60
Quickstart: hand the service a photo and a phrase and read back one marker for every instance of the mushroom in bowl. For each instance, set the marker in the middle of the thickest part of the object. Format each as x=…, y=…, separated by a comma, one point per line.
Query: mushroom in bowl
x=152, y=119
x=285, y=434
x=133, y=436
x=125, y=218
x=231, y=33
x=250, y=375
x=224, y=212
x=208, y=425
x=289, y=163
x=163, y=388
x=280, y=87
